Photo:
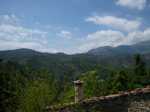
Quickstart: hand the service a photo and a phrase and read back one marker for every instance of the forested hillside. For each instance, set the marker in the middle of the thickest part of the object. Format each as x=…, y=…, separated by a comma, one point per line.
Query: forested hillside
x=31, y=80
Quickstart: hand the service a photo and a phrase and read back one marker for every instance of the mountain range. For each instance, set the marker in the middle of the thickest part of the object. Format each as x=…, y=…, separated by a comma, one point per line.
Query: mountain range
x=59, y=63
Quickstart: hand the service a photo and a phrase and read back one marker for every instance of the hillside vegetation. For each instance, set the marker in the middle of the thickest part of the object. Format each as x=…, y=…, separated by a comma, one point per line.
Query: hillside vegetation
x=29, y=80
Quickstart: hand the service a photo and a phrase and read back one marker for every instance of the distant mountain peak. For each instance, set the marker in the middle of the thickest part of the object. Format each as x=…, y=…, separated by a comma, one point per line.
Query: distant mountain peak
x=142, y=47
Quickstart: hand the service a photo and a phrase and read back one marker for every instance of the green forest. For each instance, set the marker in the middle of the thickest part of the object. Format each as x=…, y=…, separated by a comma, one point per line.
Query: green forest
x=26, y=89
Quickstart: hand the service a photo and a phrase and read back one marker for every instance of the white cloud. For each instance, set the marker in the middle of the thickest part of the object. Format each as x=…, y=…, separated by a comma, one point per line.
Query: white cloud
x=134, y=4
x=65, y=34
x=101, y=38
x=14, y=36
x=137, y=36
x=113, y=38
x=115, y=22
x=9, y=19
x=19, y=33
x=9, y=45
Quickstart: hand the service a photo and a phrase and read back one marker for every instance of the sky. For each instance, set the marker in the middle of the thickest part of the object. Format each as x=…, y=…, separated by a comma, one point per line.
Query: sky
x=72, y=26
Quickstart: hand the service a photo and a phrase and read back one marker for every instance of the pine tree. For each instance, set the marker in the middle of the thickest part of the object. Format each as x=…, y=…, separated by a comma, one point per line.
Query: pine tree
x=139, y=70
x=120, y=82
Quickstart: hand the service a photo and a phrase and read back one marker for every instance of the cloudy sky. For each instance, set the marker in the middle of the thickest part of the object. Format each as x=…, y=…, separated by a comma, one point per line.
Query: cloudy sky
x=72, y=26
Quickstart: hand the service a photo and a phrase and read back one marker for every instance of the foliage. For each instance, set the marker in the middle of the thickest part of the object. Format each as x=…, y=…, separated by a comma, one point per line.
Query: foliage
x=36, y=97
x=30, y=88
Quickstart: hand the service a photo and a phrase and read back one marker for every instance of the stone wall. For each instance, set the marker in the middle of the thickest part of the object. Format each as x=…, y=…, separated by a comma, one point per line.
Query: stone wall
x=133, y=101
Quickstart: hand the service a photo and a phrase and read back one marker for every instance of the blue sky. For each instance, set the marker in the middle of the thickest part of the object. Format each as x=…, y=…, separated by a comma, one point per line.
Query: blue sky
x=72, y=26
